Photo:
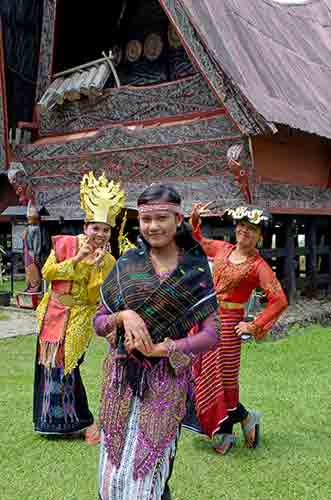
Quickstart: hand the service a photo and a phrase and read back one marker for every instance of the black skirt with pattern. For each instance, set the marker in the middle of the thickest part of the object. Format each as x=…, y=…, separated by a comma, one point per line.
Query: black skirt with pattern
x=60, y=403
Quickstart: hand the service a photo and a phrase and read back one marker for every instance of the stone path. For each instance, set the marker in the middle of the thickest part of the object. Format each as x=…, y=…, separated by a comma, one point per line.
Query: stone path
x=303, y=313
x=17, y=322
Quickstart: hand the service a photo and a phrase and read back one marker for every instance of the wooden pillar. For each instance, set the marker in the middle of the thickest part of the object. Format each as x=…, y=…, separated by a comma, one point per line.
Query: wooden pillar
x=267, y=243
x=267, y=239
x=328, y=257
x=280, y=243
x=329, y=271
x=207, y=228
x=311, y=261
x=290, y=263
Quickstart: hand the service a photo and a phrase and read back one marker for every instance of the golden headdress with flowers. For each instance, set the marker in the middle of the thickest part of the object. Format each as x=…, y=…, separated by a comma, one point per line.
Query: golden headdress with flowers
x=252, y=215
x=101, y=199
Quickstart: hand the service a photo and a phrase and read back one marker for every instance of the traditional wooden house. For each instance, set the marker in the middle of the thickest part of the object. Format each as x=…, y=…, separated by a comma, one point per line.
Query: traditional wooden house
x=228, y=101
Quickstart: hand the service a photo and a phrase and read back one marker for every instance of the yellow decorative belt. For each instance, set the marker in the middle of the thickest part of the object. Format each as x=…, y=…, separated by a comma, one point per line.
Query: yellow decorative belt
x=68, y=300
x=231, y=305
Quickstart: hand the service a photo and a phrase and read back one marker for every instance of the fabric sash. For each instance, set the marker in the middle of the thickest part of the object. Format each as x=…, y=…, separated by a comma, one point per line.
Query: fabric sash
x=57, y=315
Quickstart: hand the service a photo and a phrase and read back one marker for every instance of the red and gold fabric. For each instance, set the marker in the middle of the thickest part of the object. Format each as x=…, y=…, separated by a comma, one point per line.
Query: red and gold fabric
x=66, y=311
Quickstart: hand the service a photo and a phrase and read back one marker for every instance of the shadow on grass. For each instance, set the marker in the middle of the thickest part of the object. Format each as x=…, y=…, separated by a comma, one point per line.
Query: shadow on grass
x=279, y=444
x=201, y=443
x=62, y=438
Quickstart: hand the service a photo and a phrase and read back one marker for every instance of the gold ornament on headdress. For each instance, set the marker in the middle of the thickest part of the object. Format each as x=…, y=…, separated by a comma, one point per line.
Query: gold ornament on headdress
x=101, y=199
x=253, y=215
x=124, y=243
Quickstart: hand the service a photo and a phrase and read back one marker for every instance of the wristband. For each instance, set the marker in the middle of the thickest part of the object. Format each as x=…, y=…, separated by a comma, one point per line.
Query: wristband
x=178, y=360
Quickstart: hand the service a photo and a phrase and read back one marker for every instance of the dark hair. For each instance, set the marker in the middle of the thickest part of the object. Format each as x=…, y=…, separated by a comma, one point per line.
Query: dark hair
x=162, y=192
x=159, y=192
x=264, y=225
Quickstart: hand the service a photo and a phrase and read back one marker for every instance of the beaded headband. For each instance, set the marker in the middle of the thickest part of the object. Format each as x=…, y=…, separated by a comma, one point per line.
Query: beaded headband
x=162, y=207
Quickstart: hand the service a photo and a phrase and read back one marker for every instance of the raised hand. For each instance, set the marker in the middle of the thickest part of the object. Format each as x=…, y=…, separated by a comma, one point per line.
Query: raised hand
x=197, y=210
x=98, y=255
x=85, y=251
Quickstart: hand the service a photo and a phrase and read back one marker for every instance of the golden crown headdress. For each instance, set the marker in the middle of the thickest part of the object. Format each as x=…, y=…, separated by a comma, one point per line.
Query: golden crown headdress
x=101, y=199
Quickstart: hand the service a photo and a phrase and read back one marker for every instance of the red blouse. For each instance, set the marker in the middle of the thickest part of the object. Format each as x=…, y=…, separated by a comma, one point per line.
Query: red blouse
x=235, y=282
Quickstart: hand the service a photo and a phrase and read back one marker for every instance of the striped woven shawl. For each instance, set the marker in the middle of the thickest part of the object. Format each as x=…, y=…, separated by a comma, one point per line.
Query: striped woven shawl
x=170, y=308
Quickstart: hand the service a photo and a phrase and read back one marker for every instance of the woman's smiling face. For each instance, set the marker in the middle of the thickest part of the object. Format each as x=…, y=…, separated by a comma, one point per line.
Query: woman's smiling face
x=98, y=233
x=158, y=227
x=247, y=235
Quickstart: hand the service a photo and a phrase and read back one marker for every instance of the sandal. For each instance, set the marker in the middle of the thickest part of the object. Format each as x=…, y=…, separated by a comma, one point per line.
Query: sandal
x=254, y=422
x=222, y=443
x=92, y=435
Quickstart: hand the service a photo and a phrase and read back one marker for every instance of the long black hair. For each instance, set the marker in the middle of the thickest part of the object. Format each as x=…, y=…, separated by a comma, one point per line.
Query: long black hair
x=167, y=194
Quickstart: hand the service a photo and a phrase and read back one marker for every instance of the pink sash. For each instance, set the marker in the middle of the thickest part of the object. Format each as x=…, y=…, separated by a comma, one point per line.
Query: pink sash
x=57, y=315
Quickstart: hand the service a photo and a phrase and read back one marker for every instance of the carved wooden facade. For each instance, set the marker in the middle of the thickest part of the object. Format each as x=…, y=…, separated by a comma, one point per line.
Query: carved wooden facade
x=177, y=132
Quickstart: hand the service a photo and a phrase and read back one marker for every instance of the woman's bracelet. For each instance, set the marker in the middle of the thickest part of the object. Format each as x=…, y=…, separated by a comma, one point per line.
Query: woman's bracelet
x=170, y=346
x=177, y=359
x=111, y=337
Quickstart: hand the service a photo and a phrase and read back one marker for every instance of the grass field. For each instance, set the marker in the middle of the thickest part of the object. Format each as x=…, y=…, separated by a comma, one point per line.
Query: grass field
x=19, y=286
x=288, y=380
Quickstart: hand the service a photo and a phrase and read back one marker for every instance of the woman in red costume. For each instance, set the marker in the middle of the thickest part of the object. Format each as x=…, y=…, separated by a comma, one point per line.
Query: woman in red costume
x=237, y=270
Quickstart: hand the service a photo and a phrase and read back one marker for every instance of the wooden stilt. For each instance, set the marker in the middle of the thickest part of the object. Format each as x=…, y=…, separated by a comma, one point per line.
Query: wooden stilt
x=280, y=244
x=290, y=263
x=328, y=257
x=311, y=261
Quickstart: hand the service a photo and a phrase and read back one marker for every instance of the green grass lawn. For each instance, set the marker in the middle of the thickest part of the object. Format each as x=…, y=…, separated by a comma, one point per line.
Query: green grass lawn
x=19, y=286
x=288, y=380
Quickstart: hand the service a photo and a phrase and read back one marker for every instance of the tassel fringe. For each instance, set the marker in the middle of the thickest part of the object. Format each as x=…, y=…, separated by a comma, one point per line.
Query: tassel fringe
x=49, y=354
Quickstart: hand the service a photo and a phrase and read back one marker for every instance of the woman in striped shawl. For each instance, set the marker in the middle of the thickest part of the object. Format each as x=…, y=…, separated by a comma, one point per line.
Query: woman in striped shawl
x=155, y=295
